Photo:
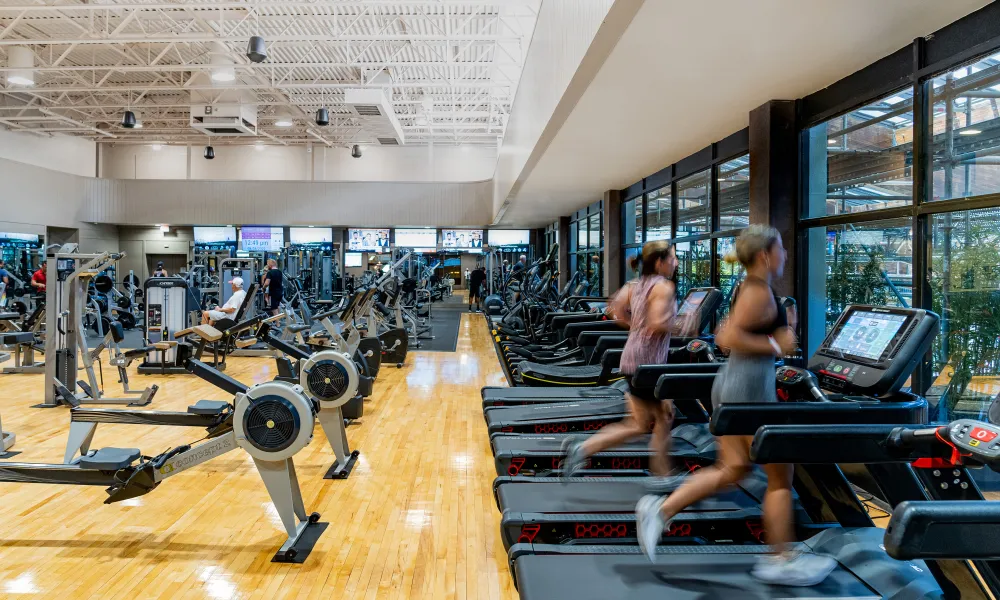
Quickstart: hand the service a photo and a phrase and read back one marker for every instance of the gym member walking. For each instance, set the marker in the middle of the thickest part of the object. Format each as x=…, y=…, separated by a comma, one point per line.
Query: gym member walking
x=4, y=284
x=647, y=306
x=756, y=331
x=38, y=279
x=476, y=281
x=273, y=290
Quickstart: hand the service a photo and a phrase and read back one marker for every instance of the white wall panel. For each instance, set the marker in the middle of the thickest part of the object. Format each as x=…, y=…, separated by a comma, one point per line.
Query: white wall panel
x=59, y=152
x=563, y=32
x=35, y=196
x=144, y=202
x=298, y=163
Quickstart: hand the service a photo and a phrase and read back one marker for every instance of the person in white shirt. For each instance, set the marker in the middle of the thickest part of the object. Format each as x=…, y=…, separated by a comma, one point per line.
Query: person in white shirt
x=228, y=310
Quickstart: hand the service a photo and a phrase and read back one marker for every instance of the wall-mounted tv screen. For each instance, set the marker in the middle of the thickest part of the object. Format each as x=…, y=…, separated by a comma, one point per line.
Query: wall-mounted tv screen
x=301, y=236
x=368, y=240
x=416, y=238
x=462, y=239
x=508, y=237
x=352, y=259
x=256, y=238
x=214, y=235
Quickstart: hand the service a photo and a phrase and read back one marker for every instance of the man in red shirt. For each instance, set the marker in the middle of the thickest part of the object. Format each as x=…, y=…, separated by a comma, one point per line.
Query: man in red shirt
x=38, y=279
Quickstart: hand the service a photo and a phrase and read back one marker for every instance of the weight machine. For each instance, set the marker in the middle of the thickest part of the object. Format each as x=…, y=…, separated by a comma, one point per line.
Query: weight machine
x=69, y=277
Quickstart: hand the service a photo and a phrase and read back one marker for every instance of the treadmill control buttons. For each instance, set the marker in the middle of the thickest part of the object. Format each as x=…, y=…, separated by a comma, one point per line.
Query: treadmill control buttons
x=982, y=435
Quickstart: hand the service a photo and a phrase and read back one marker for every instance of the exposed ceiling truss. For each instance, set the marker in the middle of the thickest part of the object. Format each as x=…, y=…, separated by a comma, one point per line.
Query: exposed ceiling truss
x=449, y=67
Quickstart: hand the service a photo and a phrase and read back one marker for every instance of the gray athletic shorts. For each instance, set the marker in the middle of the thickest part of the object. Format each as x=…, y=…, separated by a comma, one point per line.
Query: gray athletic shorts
x=745, y=379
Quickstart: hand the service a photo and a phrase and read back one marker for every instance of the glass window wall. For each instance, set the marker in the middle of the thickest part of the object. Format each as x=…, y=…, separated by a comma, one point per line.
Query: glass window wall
x=658, y=215
x=734, y=194
x=694, y=209
x=694, y=266
x=862, y=160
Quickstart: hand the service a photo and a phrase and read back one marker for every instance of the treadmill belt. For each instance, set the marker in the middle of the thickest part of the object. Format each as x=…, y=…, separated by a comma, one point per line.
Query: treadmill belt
x=555, y=412
x=596, y=496
x=695, y=576
x=517, y=393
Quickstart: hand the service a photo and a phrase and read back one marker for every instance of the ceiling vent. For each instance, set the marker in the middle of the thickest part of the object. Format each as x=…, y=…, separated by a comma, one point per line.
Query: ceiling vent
x=232, y=120
x=373, y=109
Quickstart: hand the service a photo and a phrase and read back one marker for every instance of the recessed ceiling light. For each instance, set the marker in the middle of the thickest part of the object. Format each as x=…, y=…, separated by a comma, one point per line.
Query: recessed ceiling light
x=969, y=132
x=284, y=122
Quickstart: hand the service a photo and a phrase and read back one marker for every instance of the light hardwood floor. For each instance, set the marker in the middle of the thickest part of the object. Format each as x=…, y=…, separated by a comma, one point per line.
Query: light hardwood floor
x=416, y=519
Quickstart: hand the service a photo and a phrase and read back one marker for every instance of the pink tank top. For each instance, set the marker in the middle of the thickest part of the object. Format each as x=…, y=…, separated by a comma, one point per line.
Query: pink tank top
x=644, y=346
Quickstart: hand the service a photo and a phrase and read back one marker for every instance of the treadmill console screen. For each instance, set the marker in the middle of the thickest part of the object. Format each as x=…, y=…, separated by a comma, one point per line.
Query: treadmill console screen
x=872, y=350
x=867, y=334
x=697, y=310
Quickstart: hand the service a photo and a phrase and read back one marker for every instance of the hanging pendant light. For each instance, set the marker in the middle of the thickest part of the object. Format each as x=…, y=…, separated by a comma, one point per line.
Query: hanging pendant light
x=209, y=153
x=256, y=49
x=323, y=117
x=128, y=120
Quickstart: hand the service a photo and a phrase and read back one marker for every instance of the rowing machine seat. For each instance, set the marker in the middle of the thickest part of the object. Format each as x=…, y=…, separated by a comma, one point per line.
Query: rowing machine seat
x=208, y=407
x=109, y=459
x=117, y=332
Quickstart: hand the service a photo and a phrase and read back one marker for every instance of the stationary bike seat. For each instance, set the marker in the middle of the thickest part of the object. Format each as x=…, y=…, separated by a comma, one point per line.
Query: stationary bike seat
x=208, y=407
x=109, y=459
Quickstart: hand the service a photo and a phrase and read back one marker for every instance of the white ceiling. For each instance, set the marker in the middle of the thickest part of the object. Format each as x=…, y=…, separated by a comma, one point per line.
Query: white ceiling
x=450, y=66
x=686, y=74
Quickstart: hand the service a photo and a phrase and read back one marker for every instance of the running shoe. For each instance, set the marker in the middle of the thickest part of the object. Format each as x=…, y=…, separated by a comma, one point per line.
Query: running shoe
x=572, y=450
x=802, y=569
x=649, y=524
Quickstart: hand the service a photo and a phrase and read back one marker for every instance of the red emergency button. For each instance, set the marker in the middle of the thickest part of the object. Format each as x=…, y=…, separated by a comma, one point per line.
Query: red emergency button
x=983, y=435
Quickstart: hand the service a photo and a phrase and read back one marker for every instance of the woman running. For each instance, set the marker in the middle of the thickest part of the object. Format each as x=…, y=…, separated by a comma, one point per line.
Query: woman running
x=647, y=306
x=756, y=332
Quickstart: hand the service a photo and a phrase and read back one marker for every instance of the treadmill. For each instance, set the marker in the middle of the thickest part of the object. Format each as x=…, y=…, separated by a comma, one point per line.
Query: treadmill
x=585, y=415
x=700, y=304
x=870, y=351
x=692, y=447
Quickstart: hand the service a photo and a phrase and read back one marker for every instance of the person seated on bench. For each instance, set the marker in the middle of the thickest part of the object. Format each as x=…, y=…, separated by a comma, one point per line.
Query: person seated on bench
x=209, y=317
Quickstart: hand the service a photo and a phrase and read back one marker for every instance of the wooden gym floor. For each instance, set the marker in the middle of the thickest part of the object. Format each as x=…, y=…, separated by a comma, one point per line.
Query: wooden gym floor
x=416, y=519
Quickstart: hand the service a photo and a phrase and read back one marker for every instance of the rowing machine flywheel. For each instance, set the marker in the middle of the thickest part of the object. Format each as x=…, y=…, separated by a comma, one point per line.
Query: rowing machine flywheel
x=329, y=377
x=273, y=420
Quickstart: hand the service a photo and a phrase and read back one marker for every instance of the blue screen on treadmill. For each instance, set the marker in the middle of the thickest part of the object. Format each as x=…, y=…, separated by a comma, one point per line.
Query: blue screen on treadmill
x=867, y=334
x=692, y=303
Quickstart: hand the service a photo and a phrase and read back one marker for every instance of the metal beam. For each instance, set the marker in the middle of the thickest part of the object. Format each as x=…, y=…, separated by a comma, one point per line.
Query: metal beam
x=340, y=40
x=334, y=4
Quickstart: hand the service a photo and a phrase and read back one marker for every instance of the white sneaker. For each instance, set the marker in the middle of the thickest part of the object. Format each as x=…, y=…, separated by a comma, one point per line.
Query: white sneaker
x=649, y=524
x=661, y=484
x=572, y=450
x=802, y=569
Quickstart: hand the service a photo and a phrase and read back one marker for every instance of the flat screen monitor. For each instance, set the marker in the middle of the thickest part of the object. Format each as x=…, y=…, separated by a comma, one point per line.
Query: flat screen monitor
x=692, y=302
x=302, y=236
x=368, y=240
x=352, y=259
x=416, y=238
x=461, y=239
x=508, y=237
x=214, y=235
x=256, y=238
x=19, y=237
x=867, y=335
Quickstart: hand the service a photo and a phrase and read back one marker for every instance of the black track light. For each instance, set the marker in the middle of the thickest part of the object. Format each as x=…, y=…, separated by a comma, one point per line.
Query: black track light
x=128, y=120
x=356, y=151
x=209, y=152
x=323, y=117
x=256, y=49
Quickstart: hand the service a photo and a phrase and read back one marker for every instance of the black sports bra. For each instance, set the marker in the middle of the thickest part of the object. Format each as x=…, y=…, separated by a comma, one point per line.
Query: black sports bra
x=780, y=319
